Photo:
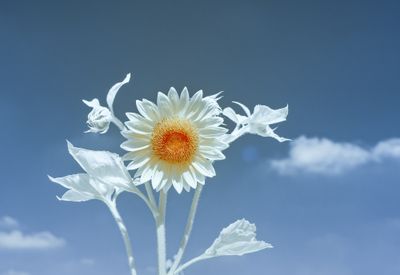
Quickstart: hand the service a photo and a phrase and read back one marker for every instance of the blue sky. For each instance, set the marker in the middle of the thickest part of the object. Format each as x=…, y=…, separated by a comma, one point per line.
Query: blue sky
x=328, y=201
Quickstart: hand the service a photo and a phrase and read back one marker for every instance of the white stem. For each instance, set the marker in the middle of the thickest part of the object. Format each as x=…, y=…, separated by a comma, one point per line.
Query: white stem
x=161, y=241
x=189, y=263
x=150, y=204
x=124, y=232
x=118, y=123
x=236, y=133
x=150, y=194
x=188, y=229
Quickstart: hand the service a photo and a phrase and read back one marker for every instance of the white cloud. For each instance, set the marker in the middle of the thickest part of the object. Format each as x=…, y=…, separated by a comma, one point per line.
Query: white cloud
x=14, y=272
x=8, y=222
x=387, y=149
x=16, y=240
x=324, y=156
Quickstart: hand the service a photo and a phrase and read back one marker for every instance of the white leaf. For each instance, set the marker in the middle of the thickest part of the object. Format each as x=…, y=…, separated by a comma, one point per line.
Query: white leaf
x=258, y=122
x=93, y=103
x=265, y=115
x=74, y=196
x=76, y=181
x=106, y=174
x=114, y=90
x=244, y=107
x=237, y=239
x=81, y=188
x=269, y=132
x=105, y=166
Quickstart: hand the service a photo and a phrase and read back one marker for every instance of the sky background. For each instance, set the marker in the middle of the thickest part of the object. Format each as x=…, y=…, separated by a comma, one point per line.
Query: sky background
x=328, y=201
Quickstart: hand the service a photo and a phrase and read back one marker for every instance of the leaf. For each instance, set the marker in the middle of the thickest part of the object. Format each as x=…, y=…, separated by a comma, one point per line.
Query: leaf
x=237, y=239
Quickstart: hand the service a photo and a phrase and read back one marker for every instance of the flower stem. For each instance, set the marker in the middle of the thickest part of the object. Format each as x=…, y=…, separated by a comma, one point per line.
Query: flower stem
x=188, y=229
x=189, y=263
x=150, y=205
x=124, y=232
x=150, y=195
x=161, y=241
x=236, y=133
x=118, y=123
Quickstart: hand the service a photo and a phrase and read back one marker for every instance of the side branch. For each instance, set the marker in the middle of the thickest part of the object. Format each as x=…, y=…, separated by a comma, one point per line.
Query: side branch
x=188, y=230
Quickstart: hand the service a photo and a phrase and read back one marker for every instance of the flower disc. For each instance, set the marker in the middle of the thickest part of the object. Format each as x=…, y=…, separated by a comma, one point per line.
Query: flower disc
x=175, y=141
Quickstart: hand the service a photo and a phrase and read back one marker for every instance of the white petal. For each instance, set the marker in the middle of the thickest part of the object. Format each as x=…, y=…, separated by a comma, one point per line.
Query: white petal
x=189, y=179
x=201, y=179
x=137, y=130
x=140, y=124
x=131, y=135
x=173, y=97
x=151, y=110
x=184, y=100
x=147, y=173
x=157, y=178
x=186, y=187
x=177, y=185
x=163, y=104
x=136, y=155
x=213, y=142
x=138, y=162
x=212, y=131
x=204, y=167
x=212, y=105
x=165, y=184
x=136, y=118
x=211, y=153
x=144, y=110
x=214, y=121
x=198, y=176
x=201, y=109
x=134, y=145
x=195, y=104
x=197, y=96
x=138, y=173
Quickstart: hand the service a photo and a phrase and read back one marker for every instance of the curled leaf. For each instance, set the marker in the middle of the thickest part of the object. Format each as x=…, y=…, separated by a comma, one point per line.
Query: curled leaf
x=238, y=238
x=114, y=90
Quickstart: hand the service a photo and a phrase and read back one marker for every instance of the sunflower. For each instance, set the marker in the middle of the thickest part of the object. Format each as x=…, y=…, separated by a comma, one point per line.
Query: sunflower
x=174, y=142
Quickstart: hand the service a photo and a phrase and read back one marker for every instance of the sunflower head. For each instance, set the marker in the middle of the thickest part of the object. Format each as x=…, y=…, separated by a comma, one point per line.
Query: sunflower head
x=175, y=142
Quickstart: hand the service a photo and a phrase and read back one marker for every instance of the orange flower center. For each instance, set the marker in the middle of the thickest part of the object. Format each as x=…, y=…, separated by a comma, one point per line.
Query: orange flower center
x=174, y=141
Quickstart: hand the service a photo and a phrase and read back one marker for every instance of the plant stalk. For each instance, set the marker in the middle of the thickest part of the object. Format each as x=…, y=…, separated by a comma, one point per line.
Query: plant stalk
x=161, y=241
x=125, y=236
